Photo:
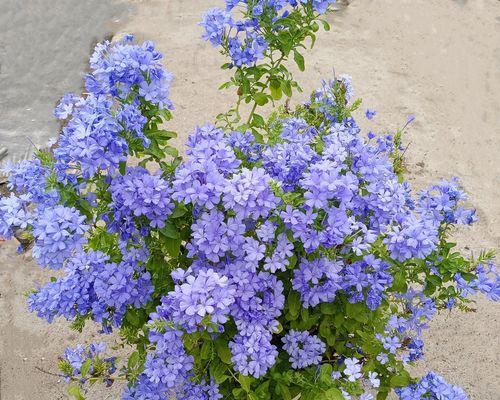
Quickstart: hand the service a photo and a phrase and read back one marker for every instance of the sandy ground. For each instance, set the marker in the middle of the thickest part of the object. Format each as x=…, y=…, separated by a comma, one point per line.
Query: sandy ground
x=438, y=59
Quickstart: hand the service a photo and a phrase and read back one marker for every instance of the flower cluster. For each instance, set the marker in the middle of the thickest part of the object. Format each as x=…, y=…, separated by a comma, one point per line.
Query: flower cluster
x=94, y=138
x=59, y=233
x=14, y=214
x=80, y=363
x=431, y=386
x=94, y=286
x=138, y=193
x=244, y=40
x=304, y=349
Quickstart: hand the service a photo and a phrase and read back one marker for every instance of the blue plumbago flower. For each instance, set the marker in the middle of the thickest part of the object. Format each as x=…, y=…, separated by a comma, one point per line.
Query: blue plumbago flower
x=166, y=368
x=90, y=141
x=258, y=298
x=199, y=183
x=416, y=347
x=94, y=285
x=304, y=349
x=373, y=378
x=75, y=357
x=199, y=300
x=93, y=140
x=279, y=260
x=198, y=391
x=317, y=281
x=136, y=194
x=367, y=280
x=208, y=143
x=65, y=106
x=325, y=97
x=431, y=386
x=487, y=282
x=133, y=121
x=287, y=162
x=215, y=21
x=59, y=233
x=14, y=214
x=118, y=286
x=29, y=177
x=245, y=143
x=253, y=354
x=78, y=355
x=248, y=51
x=352, y=369
x=73, y=294
x=297, y=130
x=121, y=67
x=320, y=6
x=440, y=203
x=413, y=238
x=370, y=114
x=212, y=237
x=249, y=194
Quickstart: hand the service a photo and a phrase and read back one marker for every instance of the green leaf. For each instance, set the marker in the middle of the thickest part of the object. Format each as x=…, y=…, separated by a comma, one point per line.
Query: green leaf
x=326, y=25
x=401, y=380
x=206, y=350
x=179, y=210
x=223, y=351
x=326, y=373
x=357, y=311
x=170, y=231
x=217, y=371
x=260, y=98
x=171, y=151
x=258, y=121
x=132, y=316
x=245, y=382
x=84, y=370
x=122, y=167
x=155, y=151
x=173, y=247
x=400, y=284
x=134, y=360
x=299, y=60
x=333, y=394
x=286, y=86
x=276, y=91
x=294, y=305
x=163, y=134
x=283, y=391
x=75, y=391
x=328, y=308
x=382, y=395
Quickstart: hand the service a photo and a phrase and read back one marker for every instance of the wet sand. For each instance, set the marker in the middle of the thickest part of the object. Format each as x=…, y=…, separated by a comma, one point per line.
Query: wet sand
x=44, y=49
x=438, y=59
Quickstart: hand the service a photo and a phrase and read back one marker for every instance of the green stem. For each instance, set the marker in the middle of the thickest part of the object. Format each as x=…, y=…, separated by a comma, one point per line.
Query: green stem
x=266, y=83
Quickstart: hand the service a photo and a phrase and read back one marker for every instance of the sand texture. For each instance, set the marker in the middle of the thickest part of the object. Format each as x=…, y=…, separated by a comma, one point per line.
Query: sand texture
x=438, y=59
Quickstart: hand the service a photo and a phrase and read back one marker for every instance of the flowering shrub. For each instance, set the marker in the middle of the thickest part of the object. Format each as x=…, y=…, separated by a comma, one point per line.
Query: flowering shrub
x=286, y=258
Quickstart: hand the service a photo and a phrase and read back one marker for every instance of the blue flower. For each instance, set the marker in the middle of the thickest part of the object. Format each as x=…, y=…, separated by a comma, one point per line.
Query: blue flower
x=59, y=233
x=215, y=21
x=370, y=114
x=137, y=194
x=304, y=349
x=253, y=354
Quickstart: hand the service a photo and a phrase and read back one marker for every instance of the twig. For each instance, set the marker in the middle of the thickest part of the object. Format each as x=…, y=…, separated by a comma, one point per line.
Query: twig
x=48, y=372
